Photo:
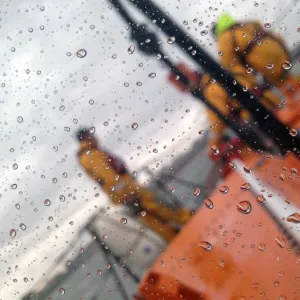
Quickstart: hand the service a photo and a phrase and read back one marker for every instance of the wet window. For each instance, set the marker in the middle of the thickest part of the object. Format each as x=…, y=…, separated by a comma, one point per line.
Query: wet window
x=150, y=150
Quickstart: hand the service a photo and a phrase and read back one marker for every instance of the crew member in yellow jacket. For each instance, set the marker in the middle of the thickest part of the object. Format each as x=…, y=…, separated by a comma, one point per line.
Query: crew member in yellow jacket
x=247, y=49
x=112, y=175
x=217, y=95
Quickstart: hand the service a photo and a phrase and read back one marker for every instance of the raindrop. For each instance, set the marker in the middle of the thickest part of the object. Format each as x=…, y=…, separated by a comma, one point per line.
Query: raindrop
x=247, y=170
x=139, y=83
x=221, y=53
x=205, y=246
x=246, y=186
x=267, y=25
x=277, y=283
x=204, y=32
x=42, y=27
x=286, y=65
x=81, y=250
x=262, y=247
x=197, y=192
x=99, y=272
x=13, y=186
x=47, y=202
x=224, y=189
x=162, y=263
x=19, y=119
x=215, y=150
x=280, y=241
x=260, y=199
x=69, y=262
x=134, y=126
x=269, y=66
x=91, y=101
x=152, y=75
x=143, y=213
x=17, y=206
x=249, y=70
x=126, y=84
x=15, y=166
x=155, y=150
x=12, y=49
x=39, y=72
x=114, y=56
x=171, y=40
x=61, y=291
x=85, y=78
x=293, y=132
x=244, y=207
x=232, y=165
x=23, y=226
x=55, y=148
x=107, y=266
x=294, y=171
x=209, y=204
x=42, y=8
x=30, y=30
x=89, y=275
x=256, y=4
x=25, y=279
x=68, y=53
x=123, y=221
x=294, y=218
x=12, y=233
x=131, y=49
x=92, y=27
x=106, y=123
x=81, y=53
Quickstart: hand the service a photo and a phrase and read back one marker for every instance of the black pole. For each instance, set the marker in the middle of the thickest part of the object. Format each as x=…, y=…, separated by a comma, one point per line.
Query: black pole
x=267, y=122
x=141, y=34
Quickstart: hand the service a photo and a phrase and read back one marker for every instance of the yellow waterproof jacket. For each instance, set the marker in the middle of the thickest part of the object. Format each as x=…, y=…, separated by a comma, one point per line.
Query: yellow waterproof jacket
x=96, y=163
x=217, y=95
x=263, y=52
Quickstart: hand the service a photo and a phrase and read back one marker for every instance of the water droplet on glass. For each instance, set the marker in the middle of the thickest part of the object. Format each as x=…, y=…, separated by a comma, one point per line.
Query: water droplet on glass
x=42, y=27
x=204, y=32
x=99, y=272
x=244, y=207
x=85, y=78
x=155, y=150
x=17, y=206
x=38, y=72
x=224, y=189
x=131, y=49
x=106, y=123
x=107, y=266
x=12, y=49
x=232, y=165
x=280, y=241
x=12, y=233
x=286, y=65
x=143, y=213
x=152, y=75
x=197, y=192
x=260, y=199
x=123, y=221
x=162, y=263
x=215, y=150
x=15, y=166
x=30, y=30
x=69, y=262
x=294, y=171
x=81, y=53
x=247, y=170
x=262, y=247
x=89, y=275
x=19, y=119
x=134, y=126
x=249, y=70
x=13, y=186
x=62, y=198
x=114, y=56
x=42, y=8
x=209, y=204
x=293, y=132
x=23, y=226
x=171, y=40
x=68, y=53
x=294, y=218
x=205, y=246
x=267, y=25
x=269, y=66
x=61, y=291
x=25, y=279
x=47, y=202
x=246, y=186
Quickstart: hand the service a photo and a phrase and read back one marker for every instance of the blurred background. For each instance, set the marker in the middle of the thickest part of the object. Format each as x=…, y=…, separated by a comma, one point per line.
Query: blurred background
x=48, y=92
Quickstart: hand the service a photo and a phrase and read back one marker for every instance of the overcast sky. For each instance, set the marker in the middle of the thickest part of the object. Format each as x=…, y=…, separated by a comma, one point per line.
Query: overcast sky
x=47, y=92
